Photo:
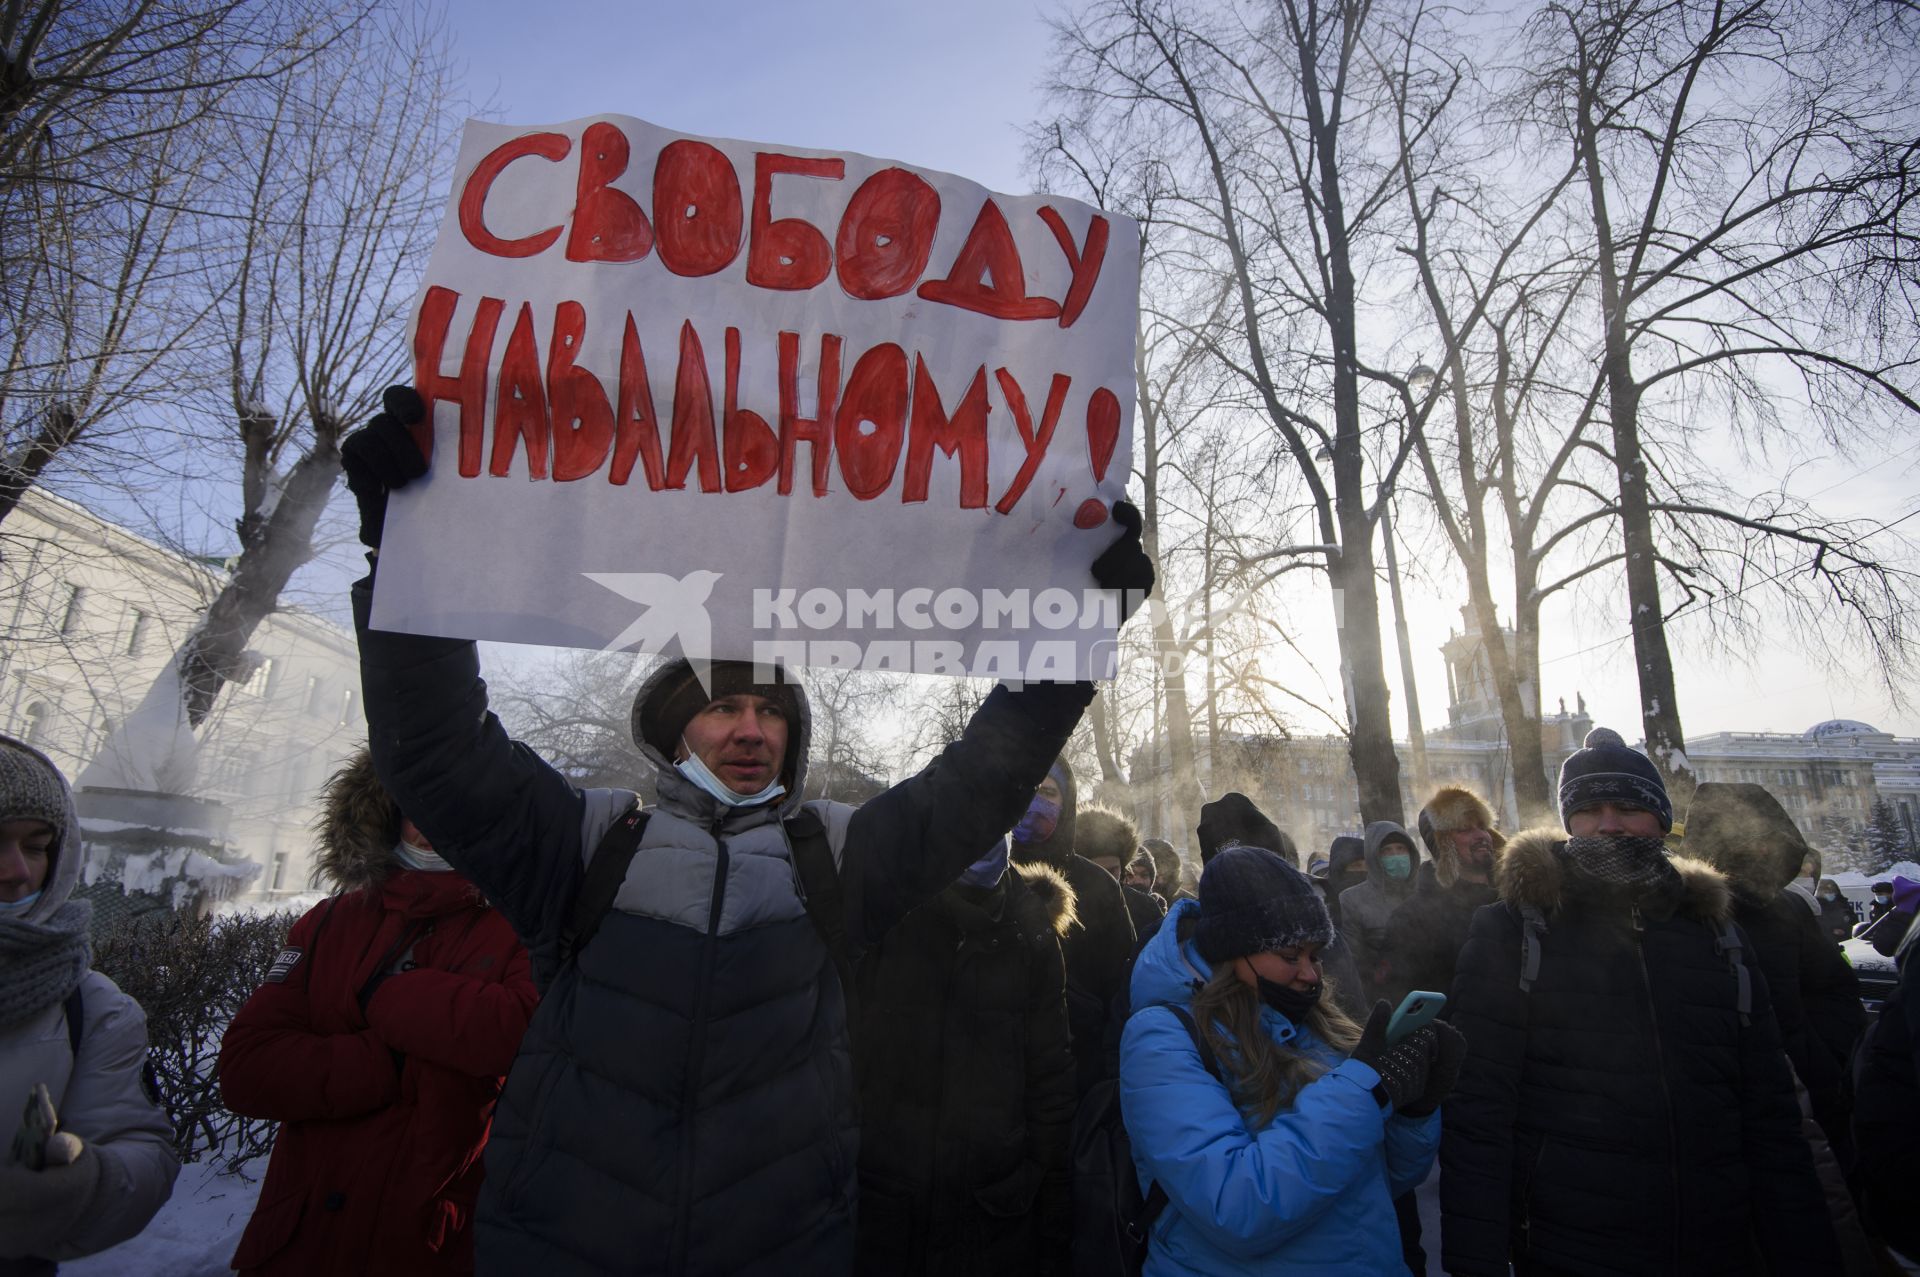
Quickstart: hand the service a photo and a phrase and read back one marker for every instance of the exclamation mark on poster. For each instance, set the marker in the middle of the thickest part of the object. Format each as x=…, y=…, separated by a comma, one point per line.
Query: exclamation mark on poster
x=1103, y=434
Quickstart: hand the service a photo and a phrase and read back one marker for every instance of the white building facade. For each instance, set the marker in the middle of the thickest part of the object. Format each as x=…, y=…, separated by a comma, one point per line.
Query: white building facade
x=91, y=614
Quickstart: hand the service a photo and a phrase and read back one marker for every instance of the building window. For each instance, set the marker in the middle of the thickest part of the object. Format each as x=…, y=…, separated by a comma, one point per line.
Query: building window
x=70, y=614
x=256, y=683
x=346, y=707
x=315, y=695
x=277, y=875
x=35, y=730
x=137, y=632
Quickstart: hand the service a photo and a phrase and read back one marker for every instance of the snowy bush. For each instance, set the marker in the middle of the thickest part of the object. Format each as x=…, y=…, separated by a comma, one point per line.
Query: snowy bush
x=191, y=975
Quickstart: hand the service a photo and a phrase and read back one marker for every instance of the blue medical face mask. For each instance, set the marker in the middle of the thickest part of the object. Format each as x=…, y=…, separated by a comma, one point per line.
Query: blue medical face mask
x=17, y=908
x=696, y=771
x=1396, y=864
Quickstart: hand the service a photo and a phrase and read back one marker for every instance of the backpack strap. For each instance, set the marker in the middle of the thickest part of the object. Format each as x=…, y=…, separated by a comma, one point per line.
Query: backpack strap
x=605, y=872
x=76, y=1010
x=1533, y=925
x=819, y=880
x=1727, y=941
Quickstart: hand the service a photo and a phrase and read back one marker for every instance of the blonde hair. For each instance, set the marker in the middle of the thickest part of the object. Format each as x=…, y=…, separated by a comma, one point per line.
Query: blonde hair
x=1263, y=1076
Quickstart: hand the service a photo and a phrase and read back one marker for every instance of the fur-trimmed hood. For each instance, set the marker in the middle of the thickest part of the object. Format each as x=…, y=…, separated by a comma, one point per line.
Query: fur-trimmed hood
x=358, y=825
x=1451, y=809
x=1102, y=831
x=1529, y=872
x=1048, y=888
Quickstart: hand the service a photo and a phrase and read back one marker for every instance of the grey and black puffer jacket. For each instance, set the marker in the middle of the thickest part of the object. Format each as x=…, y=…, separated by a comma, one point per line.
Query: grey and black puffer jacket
x=683, y=1099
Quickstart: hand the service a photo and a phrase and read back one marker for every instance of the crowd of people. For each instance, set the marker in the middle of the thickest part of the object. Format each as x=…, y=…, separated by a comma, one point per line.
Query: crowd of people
x=547, y=1029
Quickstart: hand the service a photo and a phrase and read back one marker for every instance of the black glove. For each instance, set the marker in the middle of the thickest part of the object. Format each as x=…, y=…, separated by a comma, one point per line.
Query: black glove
x=1403, y=1067
x=1124, y=565
x=382, y=456
x=1449, y=1053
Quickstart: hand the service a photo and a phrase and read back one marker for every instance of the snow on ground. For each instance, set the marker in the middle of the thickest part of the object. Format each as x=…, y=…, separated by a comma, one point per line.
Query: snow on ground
x=194, y=1234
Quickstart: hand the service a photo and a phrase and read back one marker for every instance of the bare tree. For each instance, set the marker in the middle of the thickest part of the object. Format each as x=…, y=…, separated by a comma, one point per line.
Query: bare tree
x=1749, y=174
x=1285, y=133
x=111, y=118
x=336, y=174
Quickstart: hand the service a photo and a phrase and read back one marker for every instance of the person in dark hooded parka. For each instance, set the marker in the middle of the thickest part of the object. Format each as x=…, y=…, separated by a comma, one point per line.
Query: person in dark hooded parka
x=1625, y=1109
x=379, y=1042
x=1425, y=934
x=1099, y=945
x=684, y=1098
x=1346, y=867
x=966, y=1081
x=1744, y=832
x=1103, y=836
x=1366, y=910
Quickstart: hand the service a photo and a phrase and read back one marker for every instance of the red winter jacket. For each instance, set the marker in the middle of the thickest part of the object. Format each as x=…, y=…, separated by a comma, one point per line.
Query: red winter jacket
x=383, y=1111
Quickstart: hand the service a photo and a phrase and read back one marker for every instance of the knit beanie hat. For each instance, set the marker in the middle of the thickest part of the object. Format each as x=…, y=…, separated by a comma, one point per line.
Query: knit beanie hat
x=1233, y=818
x=1607, y=771
x=32, y=788
x=1252, y=901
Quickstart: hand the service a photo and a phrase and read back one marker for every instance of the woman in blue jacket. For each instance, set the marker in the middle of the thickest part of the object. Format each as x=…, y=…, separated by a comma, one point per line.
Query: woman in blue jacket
x=1291, y=1162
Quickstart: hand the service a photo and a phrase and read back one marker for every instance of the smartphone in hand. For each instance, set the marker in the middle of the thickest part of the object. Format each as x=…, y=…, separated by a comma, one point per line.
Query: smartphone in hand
x=37, y=1126
x=1417, y=1010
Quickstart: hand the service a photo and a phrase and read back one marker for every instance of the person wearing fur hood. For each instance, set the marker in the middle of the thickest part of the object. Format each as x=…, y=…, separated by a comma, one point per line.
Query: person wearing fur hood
x=965, y=1080
x=1110, y=840
x=1099, y=944
x=1425, y=933
x=1625, y=1106
x=111, y=1166
x=379, y=1042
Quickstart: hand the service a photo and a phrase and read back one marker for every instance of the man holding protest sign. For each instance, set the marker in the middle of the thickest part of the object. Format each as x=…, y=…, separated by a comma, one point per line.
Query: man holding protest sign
x=683, y=1098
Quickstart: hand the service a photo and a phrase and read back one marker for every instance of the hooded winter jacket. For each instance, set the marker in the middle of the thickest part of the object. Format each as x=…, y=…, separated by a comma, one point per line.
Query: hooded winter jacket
x=966, y=1084
x=1621, y=1118
x=1101, y=833
x=97, y=1093
x=384, y=1083
x=1344, y=850
x=1741, y=830
x=1366, y=909
x=1426, y=931
x=1099, y=945
x=683, y=1101
x=1312, y=1192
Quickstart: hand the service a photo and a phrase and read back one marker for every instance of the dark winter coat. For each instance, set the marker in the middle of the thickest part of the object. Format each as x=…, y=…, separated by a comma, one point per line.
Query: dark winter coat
x=1743, y=831
x=1837, y=920
x=384, y=1100
x=1100, y=833
x=1621, y=1118
x=966, y=1084
x=683, y=1102
x=1344, y=851
x=1099, y=946
x=1366, y=909
x=1425, y=935
x=1886, y=1115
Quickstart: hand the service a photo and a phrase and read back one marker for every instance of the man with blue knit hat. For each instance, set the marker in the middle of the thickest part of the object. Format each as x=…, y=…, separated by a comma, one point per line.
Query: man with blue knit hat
x=1625, y=1106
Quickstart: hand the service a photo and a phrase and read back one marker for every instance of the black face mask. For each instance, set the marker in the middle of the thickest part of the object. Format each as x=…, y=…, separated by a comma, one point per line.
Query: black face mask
x=1287, y=1000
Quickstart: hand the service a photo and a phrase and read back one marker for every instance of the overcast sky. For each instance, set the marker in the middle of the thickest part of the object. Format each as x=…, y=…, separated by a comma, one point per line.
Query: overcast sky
x=949, y=87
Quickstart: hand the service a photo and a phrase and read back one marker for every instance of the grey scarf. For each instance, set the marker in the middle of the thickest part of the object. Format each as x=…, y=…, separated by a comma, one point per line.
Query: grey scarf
x=1638, y=866
x=42, y=961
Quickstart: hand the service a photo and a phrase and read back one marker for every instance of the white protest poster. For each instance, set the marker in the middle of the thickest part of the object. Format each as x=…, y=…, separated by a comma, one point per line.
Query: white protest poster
x=705, y=396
